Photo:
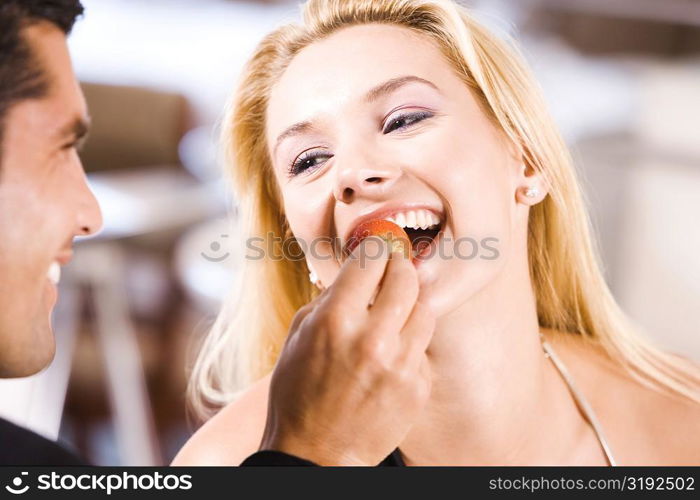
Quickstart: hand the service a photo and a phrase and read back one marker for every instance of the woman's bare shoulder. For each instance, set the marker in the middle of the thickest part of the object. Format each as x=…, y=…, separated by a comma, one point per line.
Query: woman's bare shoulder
x=644, y=426
x=232, y=434
x=672, y=424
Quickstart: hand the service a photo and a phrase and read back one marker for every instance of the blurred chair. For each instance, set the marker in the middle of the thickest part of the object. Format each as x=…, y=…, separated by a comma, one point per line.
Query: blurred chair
x=143, y=190
x=643, y=27
x=133, y=127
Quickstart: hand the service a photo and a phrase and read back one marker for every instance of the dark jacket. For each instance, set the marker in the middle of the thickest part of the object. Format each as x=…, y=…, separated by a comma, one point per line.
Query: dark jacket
x=272, y=458
x=19, y=446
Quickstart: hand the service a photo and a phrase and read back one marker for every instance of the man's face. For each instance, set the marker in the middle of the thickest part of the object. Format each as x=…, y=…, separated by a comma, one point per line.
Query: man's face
x=44, y=203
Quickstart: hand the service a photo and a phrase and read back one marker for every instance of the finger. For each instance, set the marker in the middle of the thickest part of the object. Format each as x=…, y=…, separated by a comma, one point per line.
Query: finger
x=360, y=274
x=424, y=369
x=417, y=333
x=306, y=308
x=303, y=312
x=299, y=316
x=426, y=374
x=397, y=294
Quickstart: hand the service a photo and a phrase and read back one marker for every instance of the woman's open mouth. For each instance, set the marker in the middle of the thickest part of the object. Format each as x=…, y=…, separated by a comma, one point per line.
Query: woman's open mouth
x=422, y=226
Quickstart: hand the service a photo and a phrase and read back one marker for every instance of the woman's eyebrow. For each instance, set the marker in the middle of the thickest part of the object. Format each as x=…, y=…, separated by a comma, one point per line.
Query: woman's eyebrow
x=394, y=84
x=372, y=95
x=296, y=129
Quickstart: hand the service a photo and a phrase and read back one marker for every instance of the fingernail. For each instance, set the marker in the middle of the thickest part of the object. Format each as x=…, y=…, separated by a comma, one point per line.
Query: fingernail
x=398, y=247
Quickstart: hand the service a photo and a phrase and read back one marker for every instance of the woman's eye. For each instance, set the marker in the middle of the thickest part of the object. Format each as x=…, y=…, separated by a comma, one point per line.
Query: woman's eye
x=306, y=162
x=405, y=120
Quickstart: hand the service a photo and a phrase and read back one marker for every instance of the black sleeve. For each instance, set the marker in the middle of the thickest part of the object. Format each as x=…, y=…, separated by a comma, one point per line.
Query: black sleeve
x=272, y=457
x=19, y=446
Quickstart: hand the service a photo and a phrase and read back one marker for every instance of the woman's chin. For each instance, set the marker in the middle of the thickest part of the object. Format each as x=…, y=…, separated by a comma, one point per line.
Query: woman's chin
x=433, y=292
x=446, y=285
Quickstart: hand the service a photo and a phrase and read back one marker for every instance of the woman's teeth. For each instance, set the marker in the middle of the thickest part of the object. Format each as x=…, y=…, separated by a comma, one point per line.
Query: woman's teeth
x=416, y=219
x=54, y=273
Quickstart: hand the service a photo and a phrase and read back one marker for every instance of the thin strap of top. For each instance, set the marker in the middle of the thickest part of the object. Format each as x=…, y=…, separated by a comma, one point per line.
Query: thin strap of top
x=396, y=459
x=580, y=401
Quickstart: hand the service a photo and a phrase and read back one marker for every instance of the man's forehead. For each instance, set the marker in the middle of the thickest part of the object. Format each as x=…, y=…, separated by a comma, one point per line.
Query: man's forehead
x=63, y=106
x=44, y=120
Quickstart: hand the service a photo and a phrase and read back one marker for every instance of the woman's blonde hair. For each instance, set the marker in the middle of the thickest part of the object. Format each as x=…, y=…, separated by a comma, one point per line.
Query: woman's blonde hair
x=570, y=290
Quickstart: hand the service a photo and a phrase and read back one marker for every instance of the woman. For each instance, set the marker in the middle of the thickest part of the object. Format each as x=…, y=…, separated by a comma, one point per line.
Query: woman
x=382, y=107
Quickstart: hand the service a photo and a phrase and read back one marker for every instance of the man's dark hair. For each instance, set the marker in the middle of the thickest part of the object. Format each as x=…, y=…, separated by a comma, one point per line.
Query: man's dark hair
x=21, y=76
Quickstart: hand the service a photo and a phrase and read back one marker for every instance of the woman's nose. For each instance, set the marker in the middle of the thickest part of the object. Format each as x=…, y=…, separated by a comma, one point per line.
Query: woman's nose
x=364, y=181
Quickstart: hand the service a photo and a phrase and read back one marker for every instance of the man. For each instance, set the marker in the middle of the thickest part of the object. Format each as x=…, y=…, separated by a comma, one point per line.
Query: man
x=44, y=198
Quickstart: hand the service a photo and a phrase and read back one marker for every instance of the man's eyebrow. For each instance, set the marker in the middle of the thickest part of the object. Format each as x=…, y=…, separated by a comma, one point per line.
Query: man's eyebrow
x=372, y=95
x=76, y=129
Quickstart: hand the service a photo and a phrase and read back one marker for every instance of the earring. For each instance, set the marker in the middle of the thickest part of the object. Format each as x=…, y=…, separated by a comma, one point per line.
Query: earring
x=313, y=278
x=531, y=192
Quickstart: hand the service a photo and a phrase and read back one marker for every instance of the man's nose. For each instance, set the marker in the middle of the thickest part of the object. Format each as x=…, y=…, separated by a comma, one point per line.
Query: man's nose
x=89, y=216
x=365, y=179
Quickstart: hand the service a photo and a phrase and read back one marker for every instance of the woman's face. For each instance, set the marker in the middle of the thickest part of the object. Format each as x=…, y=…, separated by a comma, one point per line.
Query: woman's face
x=373, y=120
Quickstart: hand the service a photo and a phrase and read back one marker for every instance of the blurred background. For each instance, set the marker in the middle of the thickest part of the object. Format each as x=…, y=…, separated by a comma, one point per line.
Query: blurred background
x=622, y=80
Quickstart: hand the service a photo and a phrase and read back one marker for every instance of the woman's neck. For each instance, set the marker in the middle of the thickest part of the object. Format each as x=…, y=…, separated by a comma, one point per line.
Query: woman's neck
x=495, y=398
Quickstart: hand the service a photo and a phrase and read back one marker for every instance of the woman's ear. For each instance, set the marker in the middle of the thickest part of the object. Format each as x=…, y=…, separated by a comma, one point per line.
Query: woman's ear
x=530, y=188
x=529, y=185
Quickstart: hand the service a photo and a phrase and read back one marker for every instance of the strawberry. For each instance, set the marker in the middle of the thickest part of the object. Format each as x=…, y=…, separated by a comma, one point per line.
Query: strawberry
x=387, y=230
